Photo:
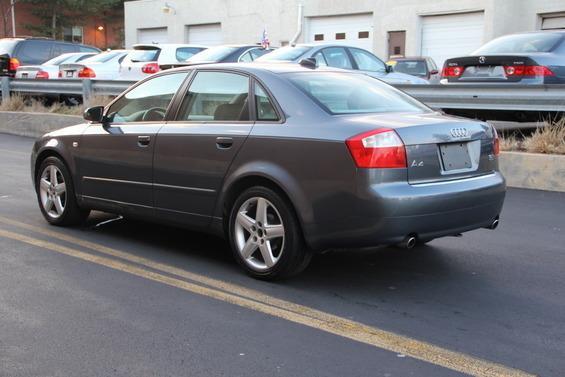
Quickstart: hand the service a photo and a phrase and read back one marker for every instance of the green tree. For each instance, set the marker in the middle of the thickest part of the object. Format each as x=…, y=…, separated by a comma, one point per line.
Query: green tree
x=55, y=15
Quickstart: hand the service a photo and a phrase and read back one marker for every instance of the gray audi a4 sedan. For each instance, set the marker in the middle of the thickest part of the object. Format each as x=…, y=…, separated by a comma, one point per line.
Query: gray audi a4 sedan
x=282, y=159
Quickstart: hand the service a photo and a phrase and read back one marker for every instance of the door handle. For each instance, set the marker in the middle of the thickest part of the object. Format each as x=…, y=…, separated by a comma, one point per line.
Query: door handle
x=224, y=142
x=143, y=140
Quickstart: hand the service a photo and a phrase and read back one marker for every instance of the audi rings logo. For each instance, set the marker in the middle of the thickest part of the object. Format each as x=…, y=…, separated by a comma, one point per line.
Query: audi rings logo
x=482, y=59
x=459, y=132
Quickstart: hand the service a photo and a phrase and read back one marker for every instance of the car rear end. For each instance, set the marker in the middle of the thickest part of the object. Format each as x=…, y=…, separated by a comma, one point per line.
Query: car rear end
x=419, y=175
x=530, y=58
x=8, y=62
x=140, y=63
x=37, y=72
x=76, y=71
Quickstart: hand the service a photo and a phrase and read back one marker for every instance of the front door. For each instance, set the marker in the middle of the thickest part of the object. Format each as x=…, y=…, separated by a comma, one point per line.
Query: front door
x=194, y=152
x=116, y=158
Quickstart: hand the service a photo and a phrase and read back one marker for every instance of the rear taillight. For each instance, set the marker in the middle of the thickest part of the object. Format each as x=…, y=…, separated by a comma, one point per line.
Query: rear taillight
x=495, y=142
x=381, y=148
x=150, y=68
x=13, y=64
x=42, y=75
x=86, y=73
x=527, y=70
x=456, y=71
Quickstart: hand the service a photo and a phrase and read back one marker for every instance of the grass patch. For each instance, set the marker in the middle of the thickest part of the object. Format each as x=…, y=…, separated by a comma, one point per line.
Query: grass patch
x=549, y=139
x=33, y=105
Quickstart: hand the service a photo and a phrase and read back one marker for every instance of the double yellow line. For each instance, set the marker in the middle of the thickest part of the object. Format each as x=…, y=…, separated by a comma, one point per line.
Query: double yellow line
x=257, y=301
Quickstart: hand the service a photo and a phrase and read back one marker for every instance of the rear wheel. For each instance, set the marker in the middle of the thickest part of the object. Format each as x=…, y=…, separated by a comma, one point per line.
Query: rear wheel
x=56, y=195
x=265, y=235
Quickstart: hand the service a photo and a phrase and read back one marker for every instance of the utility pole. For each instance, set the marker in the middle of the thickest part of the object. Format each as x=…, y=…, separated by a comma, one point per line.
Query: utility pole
x=13, y=6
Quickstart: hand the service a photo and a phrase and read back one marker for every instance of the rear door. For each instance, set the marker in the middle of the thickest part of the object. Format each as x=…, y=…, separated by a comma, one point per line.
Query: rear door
x=116, y=159
x=194, y=152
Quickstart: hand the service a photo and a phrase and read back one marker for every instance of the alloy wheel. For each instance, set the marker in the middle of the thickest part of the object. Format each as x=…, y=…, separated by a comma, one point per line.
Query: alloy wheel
x=53, y=191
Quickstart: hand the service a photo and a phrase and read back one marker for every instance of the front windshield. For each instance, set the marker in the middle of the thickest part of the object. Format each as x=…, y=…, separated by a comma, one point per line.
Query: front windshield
x=213, y=54
x=285, y=54
x=353, y=93
x=520, y=43
x=103, y=57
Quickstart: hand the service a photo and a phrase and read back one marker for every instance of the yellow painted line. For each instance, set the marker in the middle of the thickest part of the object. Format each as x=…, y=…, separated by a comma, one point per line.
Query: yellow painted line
x=257, y=301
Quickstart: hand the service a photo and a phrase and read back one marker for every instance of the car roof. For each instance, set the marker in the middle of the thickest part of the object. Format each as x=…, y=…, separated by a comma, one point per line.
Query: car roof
x=262, y=67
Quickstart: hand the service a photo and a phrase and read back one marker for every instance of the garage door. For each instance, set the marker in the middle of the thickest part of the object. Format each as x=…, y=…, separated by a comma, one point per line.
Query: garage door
x=553, y=23
x=451, y=35
x=355, y=30
x=207, y=35
x=152, y=35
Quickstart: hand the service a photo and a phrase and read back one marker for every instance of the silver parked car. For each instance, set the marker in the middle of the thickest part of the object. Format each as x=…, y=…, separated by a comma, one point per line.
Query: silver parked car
x=50, y=69
x=344, y=57
x=282, y=159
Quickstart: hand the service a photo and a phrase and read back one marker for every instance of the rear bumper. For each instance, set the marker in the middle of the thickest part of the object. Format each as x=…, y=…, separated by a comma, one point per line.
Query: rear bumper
x=386, y=213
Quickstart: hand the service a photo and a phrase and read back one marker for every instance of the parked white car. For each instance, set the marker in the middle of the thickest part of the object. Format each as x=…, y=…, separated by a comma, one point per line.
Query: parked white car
x=146, y=59
x=50, y=69
x=104, y=66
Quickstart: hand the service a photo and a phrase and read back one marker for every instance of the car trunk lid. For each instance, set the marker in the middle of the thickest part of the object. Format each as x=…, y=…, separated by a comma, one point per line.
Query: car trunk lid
x=489, y=68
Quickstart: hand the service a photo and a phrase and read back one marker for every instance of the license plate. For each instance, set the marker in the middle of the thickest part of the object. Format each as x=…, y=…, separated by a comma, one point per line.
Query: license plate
x=24, y=75
x=69, y=73
x=455, y=156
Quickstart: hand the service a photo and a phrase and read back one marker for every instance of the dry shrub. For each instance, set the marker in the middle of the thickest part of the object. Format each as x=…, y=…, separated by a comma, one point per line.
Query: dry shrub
x=549, y=139
x=510, y=143
x=32, y=105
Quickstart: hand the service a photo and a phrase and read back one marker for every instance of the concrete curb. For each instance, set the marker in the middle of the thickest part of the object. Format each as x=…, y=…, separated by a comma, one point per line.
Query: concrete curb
x=533, y=170
x=523, y=170
x=34, y=124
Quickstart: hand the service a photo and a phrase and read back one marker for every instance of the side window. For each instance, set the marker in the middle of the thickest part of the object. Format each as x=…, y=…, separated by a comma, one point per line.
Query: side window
x=337, y=57
x=62, y=48
x=366, y=61
x=263, y=105
x=258, y=52
x=216, y=96
x=148, y=102
x=246, y=58
x=320, y=60
x=34, y=51
x=184, y=53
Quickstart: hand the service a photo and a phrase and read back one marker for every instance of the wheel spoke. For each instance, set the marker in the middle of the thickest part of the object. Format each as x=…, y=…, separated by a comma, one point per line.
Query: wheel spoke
x=58, y=205
x=248, y=249
x=274, y=231
x=267, y=254
x=60, y=188
x=44, y=184
x=52, y=175
x=261, y=212
x=245, y=221
x=48, y=204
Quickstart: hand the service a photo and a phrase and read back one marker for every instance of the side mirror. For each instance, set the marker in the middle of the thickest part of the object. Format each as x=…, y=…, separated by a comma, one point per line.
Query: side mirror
x=389, y=68
x=434, y=72
x=94, y=114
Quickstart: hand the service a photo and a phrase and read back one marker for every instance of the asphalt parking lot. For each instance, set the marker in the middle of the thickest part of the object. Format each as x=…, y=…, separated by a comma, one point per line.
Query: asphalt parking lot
x=126, y=298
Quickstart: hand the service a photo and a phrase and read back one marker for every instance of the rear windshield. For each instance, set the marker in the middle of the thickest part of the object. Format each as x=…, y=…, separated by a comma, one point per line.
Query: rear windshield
x=213, y=54
x=285, y=54
x=411, y=67
x=144, y=55
x=7, y=45
x=103, y=57
x=521, y=43
x=59, y=59
x=352, y=93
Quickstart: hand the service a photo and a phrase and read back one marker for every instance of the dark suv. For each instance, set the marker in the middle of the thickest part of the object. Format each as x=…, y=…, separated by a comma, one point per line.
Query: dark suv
x=33, y=51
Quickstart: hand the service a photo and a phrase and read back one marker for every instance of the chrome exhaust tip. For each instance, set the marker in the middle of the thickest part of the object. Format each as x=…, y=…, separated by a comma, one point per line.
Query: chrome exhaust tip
x=409, y=242
x=494, y=224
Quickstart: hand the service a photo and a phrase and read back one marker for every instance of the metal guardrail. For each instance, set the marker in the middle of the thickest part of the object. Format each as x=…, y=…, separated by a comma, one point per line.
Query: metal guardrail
x=541, y=98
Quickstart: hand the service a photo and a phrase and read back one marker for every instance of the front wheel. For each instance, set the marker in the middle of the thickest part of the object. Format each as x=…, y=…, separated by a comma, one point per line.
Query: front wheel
x=56, y=195
x=265, y=235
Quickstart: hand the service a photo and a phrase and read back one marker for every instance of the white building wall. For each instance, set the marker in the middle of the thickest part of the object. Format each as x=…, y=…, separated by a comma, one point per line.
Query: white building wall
x=243, y=20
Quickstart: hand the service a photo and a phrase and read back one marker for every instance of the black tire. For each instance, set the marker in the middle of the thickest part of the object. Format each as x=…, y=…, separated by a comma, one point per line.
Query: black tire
x=294, y=256
x=72, y=213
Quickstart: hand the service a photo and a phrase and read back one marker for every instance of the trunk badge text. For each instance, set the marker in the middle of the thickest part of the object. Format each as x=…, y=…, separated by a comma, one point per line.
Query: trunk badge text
x=417, y=164
x=459, y=132
x=482, y=59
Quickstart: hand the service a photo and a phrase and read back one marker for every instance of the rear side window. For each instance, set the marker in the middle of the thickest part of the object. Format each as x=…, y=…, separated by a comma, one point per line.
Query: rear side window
x=337, y=57
x=34, y=51
x=216, y=96
x=353, y=93
x=184, y=53
x=147, y=102
x=263, y=106
x=258, y=52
